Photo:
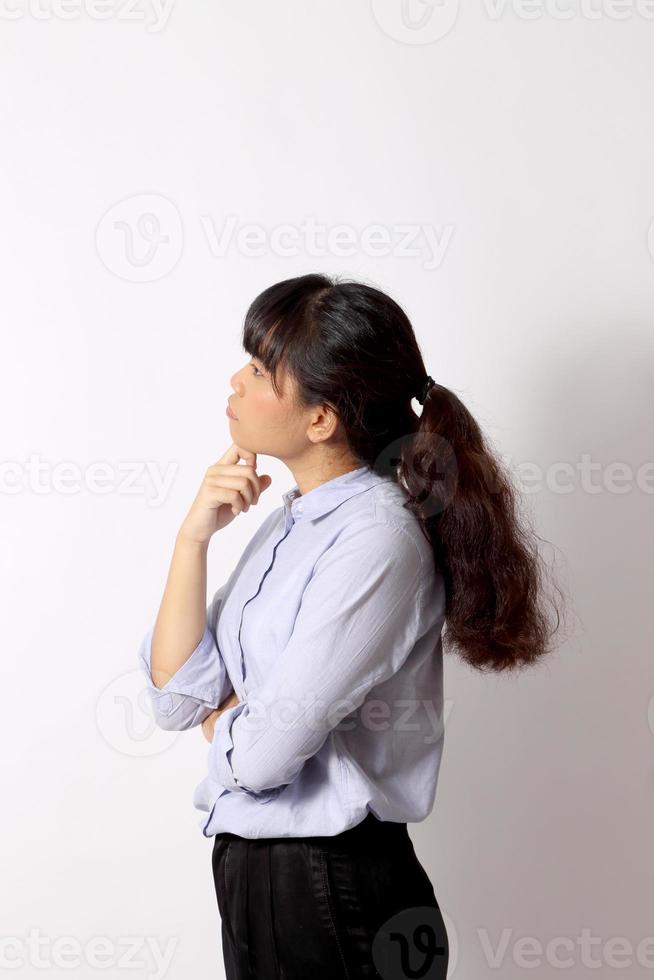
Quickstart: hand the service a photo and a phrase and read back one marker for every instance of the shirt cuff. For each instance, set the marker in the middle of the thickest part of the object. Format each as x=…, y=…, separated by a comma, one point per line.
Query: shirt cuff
x=220, y=753
x=193, y=691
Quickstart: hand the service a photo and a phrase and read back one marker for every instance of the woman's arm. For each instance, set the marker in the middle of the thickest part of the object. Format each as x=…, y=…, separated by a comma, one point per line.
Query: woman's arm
x=199, y=686
x=227, y=489
x=182, y=616
x=185, y=673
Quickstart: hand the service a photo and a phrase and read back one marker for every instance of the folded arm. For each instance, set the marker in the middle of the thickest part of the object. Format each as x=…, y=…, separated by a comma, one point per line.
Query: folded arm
x=357, y=624
x=198, y=686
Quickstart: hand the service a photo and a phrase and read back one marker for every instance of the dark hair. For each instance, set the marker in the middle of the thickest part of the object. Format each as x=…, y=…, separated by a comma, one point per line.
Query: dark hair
x=350, y=346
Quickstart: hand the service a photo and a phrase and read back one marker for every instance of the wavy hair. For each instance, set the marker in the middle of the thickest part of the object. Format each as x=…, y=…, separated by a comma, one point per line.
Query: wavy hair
x=350, y=346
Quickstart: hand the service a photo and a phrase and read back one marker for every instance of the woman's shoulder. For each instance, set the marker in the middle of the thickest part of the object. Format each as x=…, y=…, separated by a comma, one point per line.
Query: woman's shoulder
x=382, y=516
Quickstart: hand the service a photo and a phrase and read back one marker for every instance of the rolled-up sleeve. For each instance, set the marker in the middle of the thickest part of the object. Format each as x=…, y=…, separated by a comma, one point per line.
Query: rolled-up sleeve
x=357, y=623
x=200, y=684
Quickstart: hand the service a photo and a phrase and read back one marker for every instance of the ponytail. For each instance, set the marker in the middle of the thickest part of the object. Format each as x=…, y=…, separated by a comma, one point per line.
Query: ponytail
x=496, y=618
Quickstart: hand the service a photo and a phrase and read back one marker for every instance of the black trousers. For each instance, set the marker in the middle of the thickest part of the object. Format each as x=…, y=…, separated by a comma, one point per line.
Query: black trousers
x=352, y=906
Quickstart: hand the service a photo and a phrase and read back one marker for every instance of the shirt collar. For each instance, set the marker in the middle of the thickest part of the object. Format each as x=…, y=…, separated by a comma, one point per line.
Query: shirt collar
x=325, y=497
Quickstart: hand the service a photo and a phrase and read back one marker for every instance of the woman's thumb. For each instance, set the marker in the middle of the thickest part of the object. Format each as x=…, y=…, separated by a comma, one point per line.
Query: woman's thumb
x=265, y=480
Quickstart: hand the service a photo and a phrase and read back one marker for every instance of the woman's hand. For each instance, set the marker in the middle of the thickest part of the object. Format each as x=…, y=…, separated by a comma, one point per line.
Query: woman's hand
x=228, y=488
x=209, y=722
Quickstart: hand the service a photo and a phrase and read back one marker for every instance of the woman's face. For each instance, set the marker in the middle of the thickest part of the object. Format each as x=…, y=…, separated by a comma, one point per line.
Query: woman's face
x=265, y=423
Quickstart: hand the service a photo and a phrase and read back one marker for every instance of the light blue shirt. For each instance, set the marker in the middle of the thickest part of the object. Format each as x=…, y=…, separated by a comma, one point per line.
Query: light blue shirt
x=329, y=632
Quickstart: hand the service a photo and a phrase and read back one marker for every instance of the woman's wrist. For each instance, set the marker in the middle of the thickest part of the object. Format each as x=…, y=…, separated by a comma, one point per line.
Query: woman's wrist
x=189, y=544
x=209, y=723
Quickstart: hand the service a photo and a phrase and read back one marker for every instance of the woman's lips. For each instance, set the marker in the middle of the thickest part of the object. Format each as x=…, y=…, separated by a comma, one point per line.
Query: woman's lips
x=230, y=413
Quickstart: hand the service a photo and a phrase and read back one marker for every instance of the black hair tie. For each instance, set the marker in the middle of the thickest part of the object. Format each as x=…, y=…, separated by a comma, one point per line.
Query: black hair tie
x=424, y=391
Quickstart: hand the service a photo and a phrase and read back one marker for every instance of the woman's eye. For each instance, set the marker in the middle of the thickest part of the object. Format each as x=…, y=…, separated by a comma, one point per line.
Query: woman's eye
x=257, y=371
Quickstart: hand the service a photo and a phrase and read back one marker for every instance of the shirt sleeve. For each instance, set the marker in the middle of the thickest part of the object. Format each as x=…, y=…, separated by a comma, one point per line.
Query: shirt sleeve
x=200, y=684
x=357, y=622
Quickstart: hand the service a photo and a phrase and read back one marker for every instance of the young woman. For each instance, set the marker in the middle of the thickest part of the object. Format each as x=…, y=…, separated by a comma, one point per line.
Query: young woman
x=317, y=670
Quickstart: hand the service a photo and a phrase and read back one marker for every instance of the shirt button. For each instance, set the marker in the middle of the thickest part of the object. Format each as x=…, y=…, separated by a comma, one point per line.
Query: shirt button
x=299, y=506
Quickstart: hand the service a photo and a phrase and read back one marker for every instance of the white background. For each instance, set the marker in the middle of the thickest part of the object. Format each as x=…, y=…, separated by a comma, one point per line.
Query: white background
x=525, y=143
